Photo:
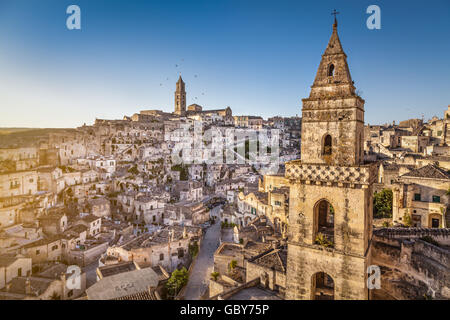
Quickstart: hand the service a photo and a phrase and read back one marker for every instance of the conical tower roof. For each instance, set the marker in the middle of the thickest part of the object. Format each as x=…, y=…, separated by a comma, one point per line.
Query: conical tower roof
x=333, y=68
x=180, y=85
x=334, y=45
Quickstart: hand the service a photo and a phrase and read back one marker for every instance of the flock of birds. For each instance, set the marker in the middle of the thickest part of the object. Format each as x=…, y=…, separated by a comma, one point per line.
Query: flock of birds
x=179, y=73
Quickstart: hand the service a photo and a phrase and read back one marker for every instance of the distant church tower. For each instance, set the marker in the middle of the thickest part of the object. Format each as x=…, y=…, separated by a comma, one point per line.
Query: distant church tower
x=180, y=98
x=330, y=215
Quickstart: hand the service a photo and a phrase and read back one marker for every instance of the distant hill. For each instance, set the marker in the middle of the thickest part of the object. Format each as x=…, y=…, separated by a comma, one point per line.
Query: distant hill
x=13, y=130
x=14, y=137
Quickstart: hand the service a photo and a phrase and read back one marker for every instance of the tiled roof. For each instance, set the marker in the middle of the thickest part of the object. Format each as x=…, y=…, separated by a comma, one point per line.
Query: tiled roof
x=429, y=171
x=38, y=285
x=127, y=284
x=276, y=259
x=110, y=270
x=139, y=296
x=6, y=260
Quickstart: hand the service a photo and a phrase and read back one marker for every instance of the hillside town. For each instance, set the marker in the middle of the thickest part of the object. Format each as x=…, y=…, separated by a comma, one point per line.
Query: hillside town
x=200, y=203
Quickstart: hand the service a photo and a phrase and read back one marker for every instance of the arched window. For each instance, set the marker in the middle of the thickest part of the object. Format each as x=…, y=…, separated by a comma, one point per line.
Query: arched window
x=331, y=70
x=327, y=145
x=322, y=286
x=324, y=224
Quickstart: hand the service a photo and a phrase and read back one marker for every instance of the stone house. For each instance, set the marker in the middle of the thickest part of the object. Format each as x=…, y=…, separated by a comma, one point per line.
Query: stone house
x=270, y=267
x=12, y=266
x=273, y=204
x=100, y=207
x=54, y=283
x=88, y=176
x=44, y=250
x=10, y=209
x=423, y=194
x=415, y=143
x=51, y=179
x=109, y=165
x=18, y=183
x=74, y=237
x=53, y=224
x=221, y=188
x=92, y=222
x=188, y=191
x=72, y=178
x=168, y=247
x=137, y=284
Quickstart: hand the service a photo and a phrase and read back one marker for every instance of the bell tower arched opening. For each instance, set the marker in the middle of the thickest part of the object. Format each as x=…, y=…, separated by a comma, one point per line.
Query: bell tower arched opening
x=322, y=286
x=331, y=70
x=327, y=145
x=324, y=224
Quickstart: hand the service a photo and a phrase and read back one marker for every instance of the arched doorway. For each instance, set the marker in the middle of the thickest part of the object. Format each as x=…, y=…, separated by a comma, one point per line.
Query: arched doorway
x=324, y=223
x=322, y=286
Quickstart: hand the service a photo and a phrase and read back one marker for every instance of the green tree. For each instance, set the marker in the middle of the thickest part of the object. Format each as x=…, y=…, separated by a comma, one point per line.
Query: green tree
x=177, y=280
x=323, y=241
x=193, y=249
x=215, y=275
x=382, y=204
x=407, y=221
x=184, y=173
x=133, y=170
x=233, y=264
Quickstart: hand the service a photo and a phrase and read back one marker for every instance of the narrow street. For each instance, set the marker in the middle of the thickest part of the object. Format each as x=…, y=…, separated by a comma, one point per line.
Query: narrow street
x=201, y=273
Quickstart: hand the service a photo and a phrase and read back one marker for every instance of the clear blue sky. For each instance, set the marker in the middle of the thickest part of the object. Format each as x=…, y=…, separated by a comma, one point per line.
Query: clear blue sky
x=258, y=57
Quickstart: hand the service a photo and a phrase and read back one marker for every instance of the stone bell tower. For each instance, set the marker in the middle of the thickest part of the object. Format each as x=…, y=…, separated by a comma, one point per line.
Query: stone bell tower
x=330, y=214
x=180, y=98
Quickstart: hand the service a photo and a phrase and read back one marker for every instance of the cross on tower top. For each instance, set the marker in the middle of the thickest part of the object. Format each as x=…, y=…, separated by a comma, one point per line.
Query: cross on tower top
x=335, y=13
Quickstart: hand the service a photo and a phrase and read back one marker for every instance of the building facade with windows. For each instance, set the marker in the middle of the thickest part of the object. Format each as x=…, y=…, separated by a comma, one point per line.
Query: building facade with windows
x=423, y=196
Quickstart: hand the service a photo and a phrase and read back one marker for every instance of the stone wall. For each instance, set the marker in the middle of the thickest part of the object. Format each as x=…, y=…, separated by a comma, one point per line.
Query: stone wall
x=273, y=279
x=411, y=269
x=347, y=271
